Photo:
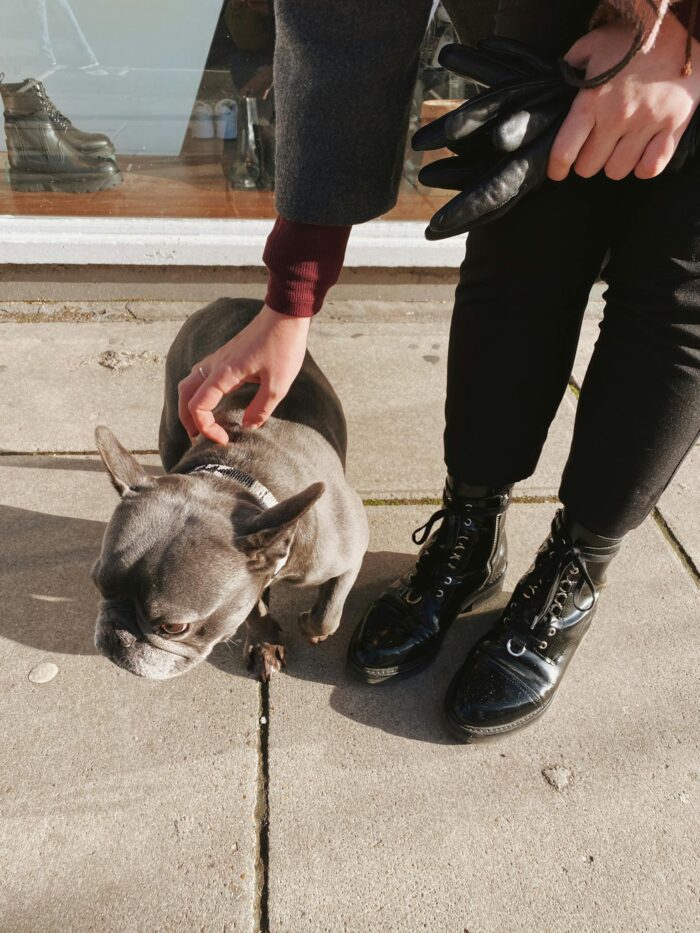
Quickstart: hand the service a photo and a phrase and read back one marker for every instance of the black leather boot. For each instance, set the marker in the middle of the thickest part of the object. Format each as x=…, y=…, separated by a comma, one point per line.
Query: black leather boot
x=511, y=675
x=461, y=564
x=44, y=154
x=28, y=100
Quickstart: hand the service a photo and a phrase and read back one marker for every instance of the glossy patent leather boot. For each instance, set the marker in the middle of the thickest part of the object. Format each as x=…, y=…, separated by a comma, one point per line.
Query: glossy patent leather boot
x=461, y=564
x=511, y=675
x=28, y=101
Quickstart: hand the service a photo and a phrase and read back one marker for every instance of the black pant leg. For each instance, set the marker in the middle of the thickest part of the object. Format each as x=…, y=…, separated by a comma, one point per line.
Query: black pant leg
x=523, y=289
x=639, y=409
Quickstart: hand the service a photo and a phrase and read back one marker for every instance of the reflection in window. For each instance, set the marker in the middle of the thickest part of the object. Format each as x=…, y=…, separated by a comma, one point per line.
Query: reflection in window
x=168, y=111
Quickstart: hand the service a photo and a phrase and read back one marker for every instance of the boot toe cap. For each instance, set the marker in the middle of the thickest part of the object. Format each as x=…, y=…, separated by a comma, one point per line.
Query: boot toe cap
x=385, y=640
x=485, y=699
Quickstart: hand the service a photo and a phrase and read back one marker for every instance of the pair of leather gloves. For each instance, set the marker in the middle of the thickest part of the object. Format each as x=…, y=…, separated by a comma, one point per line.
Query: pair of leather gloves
x=501, y=138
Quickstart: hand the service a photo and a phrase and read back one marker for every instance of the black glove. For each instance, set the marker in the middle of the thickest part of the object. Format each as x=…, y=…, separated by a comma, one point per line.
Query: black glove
x=502, y=137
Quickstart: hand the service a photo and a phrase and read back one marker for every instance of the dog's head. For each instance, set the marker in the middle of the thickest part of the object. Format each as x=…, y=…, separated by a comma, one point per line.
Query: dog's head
x=184, y=561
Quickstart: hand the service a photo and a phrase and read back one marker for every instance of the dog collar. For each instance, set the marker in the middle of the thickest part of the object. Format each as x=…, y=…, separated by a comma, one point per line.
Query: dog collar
x=261, y=493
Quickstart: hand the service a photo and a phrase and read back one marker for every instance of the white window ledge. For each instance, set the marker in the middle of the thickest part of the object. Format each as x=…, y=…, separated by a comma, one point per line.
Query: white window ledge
x=199, y=242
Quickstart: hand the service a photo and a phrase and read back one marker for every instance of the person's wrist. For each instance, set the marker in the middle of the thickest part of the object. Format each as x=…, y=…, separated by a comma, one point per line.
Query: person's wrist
x=294, y=323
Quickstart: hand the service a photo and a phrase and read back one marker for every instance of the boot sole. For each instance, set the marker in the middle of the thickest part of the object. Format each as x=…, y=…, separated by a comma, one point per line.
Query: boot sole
x=473, y=735
x=78, y=183
x=370, y=675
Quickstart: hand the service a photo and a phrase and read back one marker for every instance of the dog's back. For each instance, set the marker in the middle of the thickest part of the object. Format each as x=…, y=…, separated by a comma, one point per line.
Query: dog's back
x=311, y=400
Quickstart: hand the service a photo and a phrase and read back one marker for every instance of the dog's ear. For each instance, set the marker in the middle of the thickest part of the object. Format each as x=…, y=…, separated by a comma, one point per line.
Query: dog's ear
x=126, y=472
x=268, y=537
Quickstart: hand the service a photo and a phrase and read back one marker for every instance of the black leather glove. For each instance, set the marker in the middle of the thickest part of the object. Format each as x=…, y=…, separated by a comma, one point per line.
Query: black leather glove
x=502, y=137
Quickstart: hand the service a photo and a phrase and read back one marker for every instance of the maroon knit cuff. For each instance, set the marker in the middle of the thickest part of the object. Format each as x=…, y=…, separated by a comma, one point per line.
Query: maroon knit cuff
x=683, y=11
x=304, y=261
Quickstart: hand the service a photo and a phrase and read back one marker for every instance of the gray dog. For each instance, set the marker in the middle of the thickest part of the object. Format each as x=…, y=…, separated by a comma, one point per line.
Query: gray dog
x=187, y=557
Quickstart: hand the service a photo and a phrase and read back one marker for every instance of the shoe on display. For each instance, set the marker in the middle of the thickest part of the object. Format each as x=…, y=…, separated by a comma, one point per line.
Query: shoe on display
x=202, y=121
x=462, y=564
x=511, y=675
x=226, y=118
x=28, y=106
x=46, y=152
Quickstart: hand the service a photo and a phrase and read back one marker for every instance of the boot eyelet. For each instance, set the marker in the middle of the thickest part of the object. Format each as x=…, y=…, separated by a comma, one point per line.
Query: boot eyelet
x=542, y=645
x=574, y=571
x=447, y=581
x=412, y=598
x=552, y=632
x=511, y=649
x=439, y=594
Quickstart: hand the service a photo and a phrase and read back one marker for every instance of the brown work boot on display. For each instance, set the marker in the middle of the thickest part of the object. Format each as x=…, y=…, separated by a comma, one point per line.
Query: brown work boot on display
x=46, y=152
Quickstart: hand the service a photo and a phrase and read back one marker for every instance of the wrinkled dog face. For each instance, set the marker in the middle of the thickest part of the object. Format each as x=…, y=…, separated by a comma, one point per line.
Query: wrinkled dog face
x=184, y=561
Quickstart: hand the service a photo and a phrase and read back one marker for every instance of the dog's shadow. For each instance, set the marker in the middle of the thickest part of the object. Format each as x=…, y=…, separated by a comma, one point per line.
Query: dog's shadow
x=410, y=707
x=50, y=604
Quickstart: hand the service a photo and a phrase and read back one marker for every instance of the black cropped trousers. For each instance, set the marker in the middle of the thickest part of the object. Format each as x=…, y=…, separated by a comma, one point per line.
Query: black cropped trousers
x=523, y=289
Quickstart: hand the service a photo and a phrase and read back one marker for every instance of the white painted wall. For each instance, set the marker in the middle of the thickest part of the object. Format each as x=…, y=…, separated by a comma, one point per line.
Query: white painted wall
x=139, y=241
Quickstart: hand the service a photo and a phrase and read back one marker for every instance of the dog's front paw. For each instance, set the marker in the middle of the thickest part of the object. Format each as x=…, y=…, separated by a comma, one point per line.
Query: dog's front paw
x=266, y=659
x=309, y=627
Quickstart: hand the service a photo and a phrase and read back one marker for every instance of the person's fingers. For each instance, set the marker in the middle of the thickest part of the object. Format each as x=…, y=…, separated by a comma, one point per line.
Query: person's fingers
x=572, y=135
x=596, y=151
x=208, y=396
x=186, y=389
x=626, y=154
x=580, y=52
x=266, y=399
x=657, y=155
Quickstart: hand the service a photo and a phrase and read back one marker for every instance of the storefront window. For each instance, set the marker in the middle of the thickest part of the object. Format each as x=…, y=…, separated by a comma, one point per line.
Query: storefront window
x=160, y=109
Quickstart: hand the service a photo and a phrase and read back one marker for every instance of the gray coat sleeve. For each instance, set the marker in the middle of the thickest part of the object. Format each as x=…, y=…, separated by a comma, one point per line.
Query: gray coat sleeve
x=345, y=71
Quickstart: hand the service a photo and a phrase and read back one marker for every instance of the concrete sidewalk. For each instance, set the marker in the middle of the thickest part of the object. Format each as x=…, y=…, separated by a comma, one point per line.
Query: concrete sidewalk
x=212, y=803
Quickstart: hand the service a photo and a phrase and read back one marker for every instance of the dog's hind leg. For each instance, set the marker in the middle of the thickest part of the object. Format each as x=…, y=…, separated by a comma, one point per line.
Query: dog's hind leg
x=263, y=650
x=324, y=617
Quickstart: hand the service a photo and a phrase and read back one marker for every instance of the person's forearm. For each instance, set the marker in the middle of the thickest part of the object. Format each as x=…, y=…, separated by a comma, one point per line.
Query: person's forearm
x=344, y=80
x=646, y=18
x=303, y=261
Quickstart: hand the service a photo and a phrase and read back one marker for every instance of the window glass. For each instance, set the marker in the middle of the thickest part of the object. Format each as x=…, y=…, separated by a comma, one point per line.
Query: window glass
x=158, y=109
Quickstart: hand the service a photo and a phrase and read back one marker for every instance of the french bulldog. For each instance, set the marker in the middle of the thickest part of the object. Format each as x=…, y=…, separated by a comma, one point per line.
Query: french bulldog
x=188, y=557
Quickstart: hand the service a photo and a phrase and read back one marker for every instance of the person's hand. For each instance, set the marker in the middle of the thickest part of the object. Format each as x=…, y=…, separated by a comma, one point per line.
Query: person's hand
x=269, y=351
x=633, y=122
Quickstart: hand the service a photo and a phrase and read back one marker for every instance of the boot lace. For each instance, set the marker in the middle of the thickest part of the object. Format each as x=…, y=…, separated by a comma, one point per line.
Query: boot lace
x=51, y=108
x=539, y=599
x=454, y=536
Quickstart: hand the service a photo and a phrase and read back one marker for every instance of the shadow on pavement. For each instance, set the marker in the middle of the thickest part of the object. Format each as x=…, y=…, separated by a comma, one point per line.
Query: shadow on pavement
x=410, y=708
x=50, y=604
x=86, y=464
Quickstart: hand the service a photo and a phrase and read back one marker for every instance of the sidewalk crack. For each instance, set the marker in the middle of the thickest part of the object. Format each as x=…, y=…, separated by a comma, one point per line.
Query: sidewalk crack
x=262, y=815
x=680, y=551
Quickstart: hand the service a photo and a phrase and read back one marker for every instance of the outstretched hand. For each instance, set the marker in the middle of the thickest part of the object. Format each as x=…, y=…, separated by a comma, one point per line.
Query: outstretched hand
x=632, y=123
x=269, y=351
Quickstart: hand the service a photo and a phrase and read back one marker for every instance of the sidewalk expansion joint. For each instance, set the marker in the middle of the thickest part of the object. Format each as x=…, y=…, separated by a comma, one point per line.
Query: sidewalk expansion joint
x=262, y=815
x=68, y=453
x=681, y=552
x=429, y=500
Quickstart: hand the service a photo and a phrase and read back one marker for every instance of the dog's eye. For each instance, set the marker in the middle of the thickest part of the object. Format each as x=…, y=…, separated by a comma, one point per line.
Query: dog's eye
x=173, y=628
